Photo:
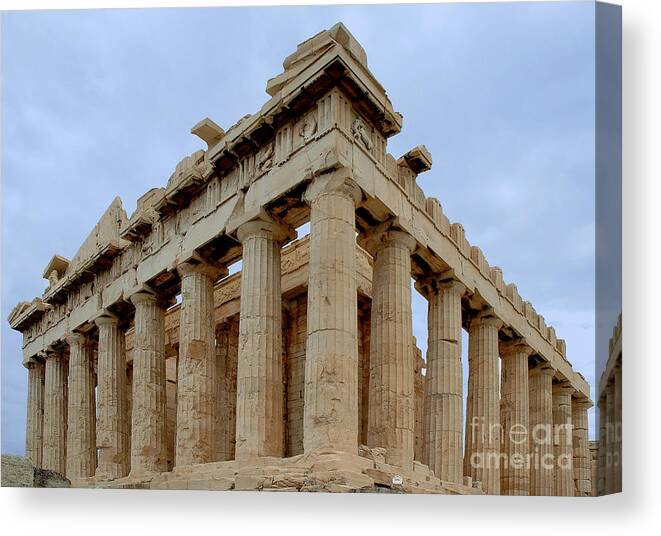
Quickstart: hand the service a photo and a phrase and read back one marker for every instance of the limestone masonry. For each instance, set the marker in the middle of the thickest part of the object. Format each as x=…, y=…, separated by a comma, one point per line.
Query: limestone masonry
x=149, y=366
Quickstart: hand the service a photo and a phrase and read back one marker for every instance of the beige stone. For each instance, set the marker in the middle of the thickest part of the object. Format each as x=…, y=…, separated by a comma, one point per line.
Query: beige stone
x=55, y=412
x=582, y=460
x=81, y=413
x=259, y=409
x=331, y=364
x=444, y=397
x=392, y=403
x=483, y=429
x=197, y=370
x=541, y=431
x=563, y=476
x=148, y=401
x=112, y=432
x=35, y=414
x=514, y=418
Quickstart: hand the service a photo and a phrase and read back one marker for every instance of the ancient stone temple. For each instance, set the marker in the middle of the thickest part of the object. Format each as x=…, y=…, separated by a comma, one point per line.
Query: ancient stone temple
x=150, y=366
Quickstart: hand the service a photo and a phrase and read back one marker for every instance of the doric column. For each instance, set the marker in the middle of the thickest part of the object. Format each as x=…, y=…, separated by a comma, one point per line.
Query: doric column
x=444, y=380
x=148, y=400
x=81, y=428
x=514, y=417
x=609, y=484
x=563, y=476
x=582, y=462
x=419, y=397
x=227, y=358
x=391, y=422
x=55, y=412
x=617, y=428
x=112, y=432
x=483, y=430
x=540, y=441
x=196, y=382
x=602, y=448
x=331, y=361
x=260, y=404
x=34, y=432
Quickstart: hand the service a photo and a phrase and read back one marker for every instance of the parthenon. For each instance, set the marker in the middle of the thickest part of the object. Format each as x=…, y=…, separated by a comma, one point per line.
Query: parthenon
x=151, y=366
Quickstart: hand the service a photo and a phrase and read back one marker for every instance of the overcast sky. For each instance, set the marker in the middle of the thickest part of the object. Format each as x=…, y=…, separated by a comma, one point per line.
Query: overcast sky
x=100, y=103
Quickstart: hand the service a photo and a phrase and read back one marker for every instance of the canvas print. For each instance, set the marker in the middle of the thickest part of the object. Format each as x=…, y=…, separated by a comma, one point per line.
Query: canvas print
x=397, y=271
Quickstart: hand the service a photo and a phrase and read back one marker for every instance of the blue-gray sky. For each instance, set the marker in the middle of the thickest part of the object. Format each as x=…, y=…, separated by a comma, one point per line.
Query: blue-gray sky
x=100, y=103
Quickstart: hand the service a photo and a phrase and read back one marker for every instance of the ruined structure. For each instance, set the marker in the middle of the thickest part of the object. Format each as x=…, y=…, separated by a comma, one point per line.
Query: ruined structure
x=301, y=372
x=609, y=449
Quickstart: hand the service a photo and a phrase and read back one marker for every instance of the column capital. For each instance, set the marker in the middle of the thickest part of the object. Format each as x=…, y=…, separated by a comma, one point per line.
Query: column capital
x=338, y=182
x=582, y=403
x=563, y=388
x=53, y=353
x=106, y=319
x=198, y=266
x=267, y=226
x=515, y=346
x=544, y=369
x=75, y=337
x=487, y=318
x=33, y=362
x=435, y=282
x=386, y=234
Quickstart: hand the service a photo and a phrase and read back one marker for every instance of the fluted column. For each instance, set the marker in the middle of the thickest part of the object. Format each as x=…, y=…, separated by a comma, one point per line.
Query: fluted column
x=562, y=441
x=330, y=414
x=148, y=401
x=540, y=441
x=259, y=409
x=444, y=381
x=514, y=417
x=609, y=483
x=112, y=432
x=227, y=358
x=81, y=428
x=602, y=448
x=34, y=433
x=55, y=412
x=483, y=430
x=582, y=462
x=617, y=429
x=391, y=422
x=196, y=382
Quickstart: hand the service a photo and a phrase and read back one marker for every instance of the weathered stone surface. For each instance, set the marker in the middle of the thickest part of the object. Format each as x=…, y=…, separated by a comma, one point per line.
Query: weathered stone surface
x=55, y=412
x=197, y=370
x=483, y=430
x=562, y=441
x=582, y=462
x=331, y=365
x=514, y=418
x=19, y=472
x=148, y=401
x=35, y=415
x=541, y=430
x=112, y=433
x=81, y=423
x=260, y=403
x=444, y=397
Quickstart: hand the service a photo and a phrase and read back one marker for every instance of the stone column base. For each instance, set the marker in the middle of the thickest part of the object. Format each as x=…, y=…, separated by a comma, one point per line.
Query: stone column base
x=322, y=470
